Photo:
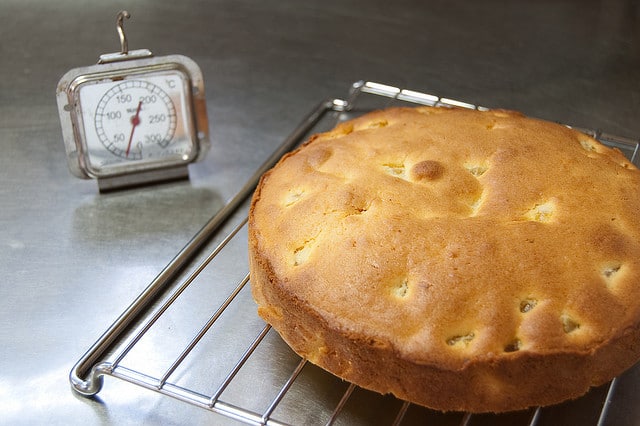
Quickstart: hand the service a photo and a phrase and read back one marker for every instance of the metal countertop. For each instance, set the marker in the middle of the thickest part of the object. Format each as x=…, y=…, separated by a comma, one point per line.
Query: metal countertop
x=73, y=260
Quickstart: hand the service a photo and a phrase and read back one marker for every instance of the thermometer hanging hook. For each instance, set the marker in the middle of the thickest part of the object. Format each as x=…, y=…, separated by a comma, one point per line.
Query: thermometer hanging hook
x=124, y=54
x=124, y=45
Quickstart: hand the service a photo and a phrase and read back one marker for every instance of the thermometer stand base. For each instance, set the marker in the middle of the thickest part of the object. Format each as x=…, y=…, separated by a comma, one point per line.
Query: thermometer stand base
x=113, y=183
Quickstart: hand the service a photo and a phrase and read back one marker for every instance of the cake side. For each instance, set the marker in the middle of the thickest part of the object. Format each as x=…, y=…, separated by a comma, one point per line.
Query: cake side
x=520, y=381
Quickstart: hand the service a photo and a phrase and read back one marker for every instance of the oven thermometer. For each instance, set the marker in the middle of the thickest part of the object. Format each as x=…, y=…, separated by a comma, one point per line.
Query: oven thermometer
x=133, y=118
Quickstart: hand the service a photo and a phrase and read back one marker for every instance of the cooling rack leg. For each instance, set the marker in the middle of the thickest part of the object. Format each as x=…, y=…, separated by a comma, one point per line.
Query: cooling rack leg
x=93, y=383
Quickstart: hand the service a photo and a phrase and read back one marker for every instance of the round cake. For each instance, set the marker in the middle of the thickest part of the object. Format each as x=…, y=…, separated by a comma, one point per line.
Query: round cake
x=480, y=261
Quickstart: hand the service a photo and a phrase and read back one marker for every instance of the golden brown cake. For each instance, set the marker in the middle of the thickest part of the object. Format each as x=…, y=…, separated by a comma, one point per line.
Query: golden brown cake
x=458, y=259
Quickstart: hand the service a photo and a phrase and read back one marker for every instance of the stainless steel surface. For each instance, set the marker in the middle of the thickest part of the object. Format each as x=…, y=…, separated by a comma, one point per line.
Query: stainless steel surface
x=73, y=260
x=111, y=355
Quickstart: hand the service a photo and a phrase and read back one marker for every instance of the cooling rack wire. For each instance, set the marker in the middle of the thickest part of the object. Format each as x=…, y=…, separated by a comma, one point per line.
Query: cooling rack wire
x=122, y=352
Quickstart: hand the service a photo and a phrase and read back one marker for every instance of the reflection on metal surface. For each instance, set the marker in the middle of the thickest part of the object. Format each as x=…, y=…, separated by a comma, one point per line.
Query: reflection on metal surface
x=107, y=219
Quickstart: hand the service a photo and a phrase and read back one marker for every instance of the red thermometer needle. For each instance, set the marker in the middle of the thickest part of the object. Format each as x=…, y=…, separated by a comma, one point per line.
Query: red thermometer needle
x=135, y=120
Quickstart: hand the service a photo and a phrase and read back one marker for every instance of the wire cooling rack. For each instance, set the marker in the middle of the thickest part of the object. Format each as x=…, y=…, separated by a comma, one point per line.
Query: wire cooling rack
x=193, y=334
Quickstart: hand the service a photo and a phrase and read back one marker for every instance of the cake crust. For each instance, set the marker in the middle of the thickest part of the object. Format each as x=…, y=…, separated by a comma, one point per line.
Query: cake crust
x=467, y=260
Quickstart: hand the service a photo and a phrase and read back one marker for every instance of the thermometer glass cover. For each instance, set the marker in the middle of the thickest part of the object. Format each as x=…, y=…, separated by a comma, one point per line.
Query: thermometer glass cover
x=137, y=120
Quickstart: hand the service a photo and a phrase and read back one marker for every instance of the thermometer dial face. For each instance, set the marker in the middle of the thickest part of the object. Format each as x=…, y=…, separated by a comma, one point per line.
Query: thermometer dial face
x=136, y=122
x=135, y=119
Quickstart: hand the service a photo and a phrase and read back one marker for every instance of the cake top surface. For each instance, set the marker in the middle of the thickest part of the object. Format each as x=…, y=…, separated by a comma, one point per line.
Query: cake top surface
x=453, y=235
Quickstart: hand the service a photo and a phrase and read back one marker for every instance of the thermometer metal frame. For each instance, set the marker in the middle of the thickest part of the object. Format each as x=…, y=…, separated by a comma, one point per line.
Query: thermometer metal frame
x=126, y=66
